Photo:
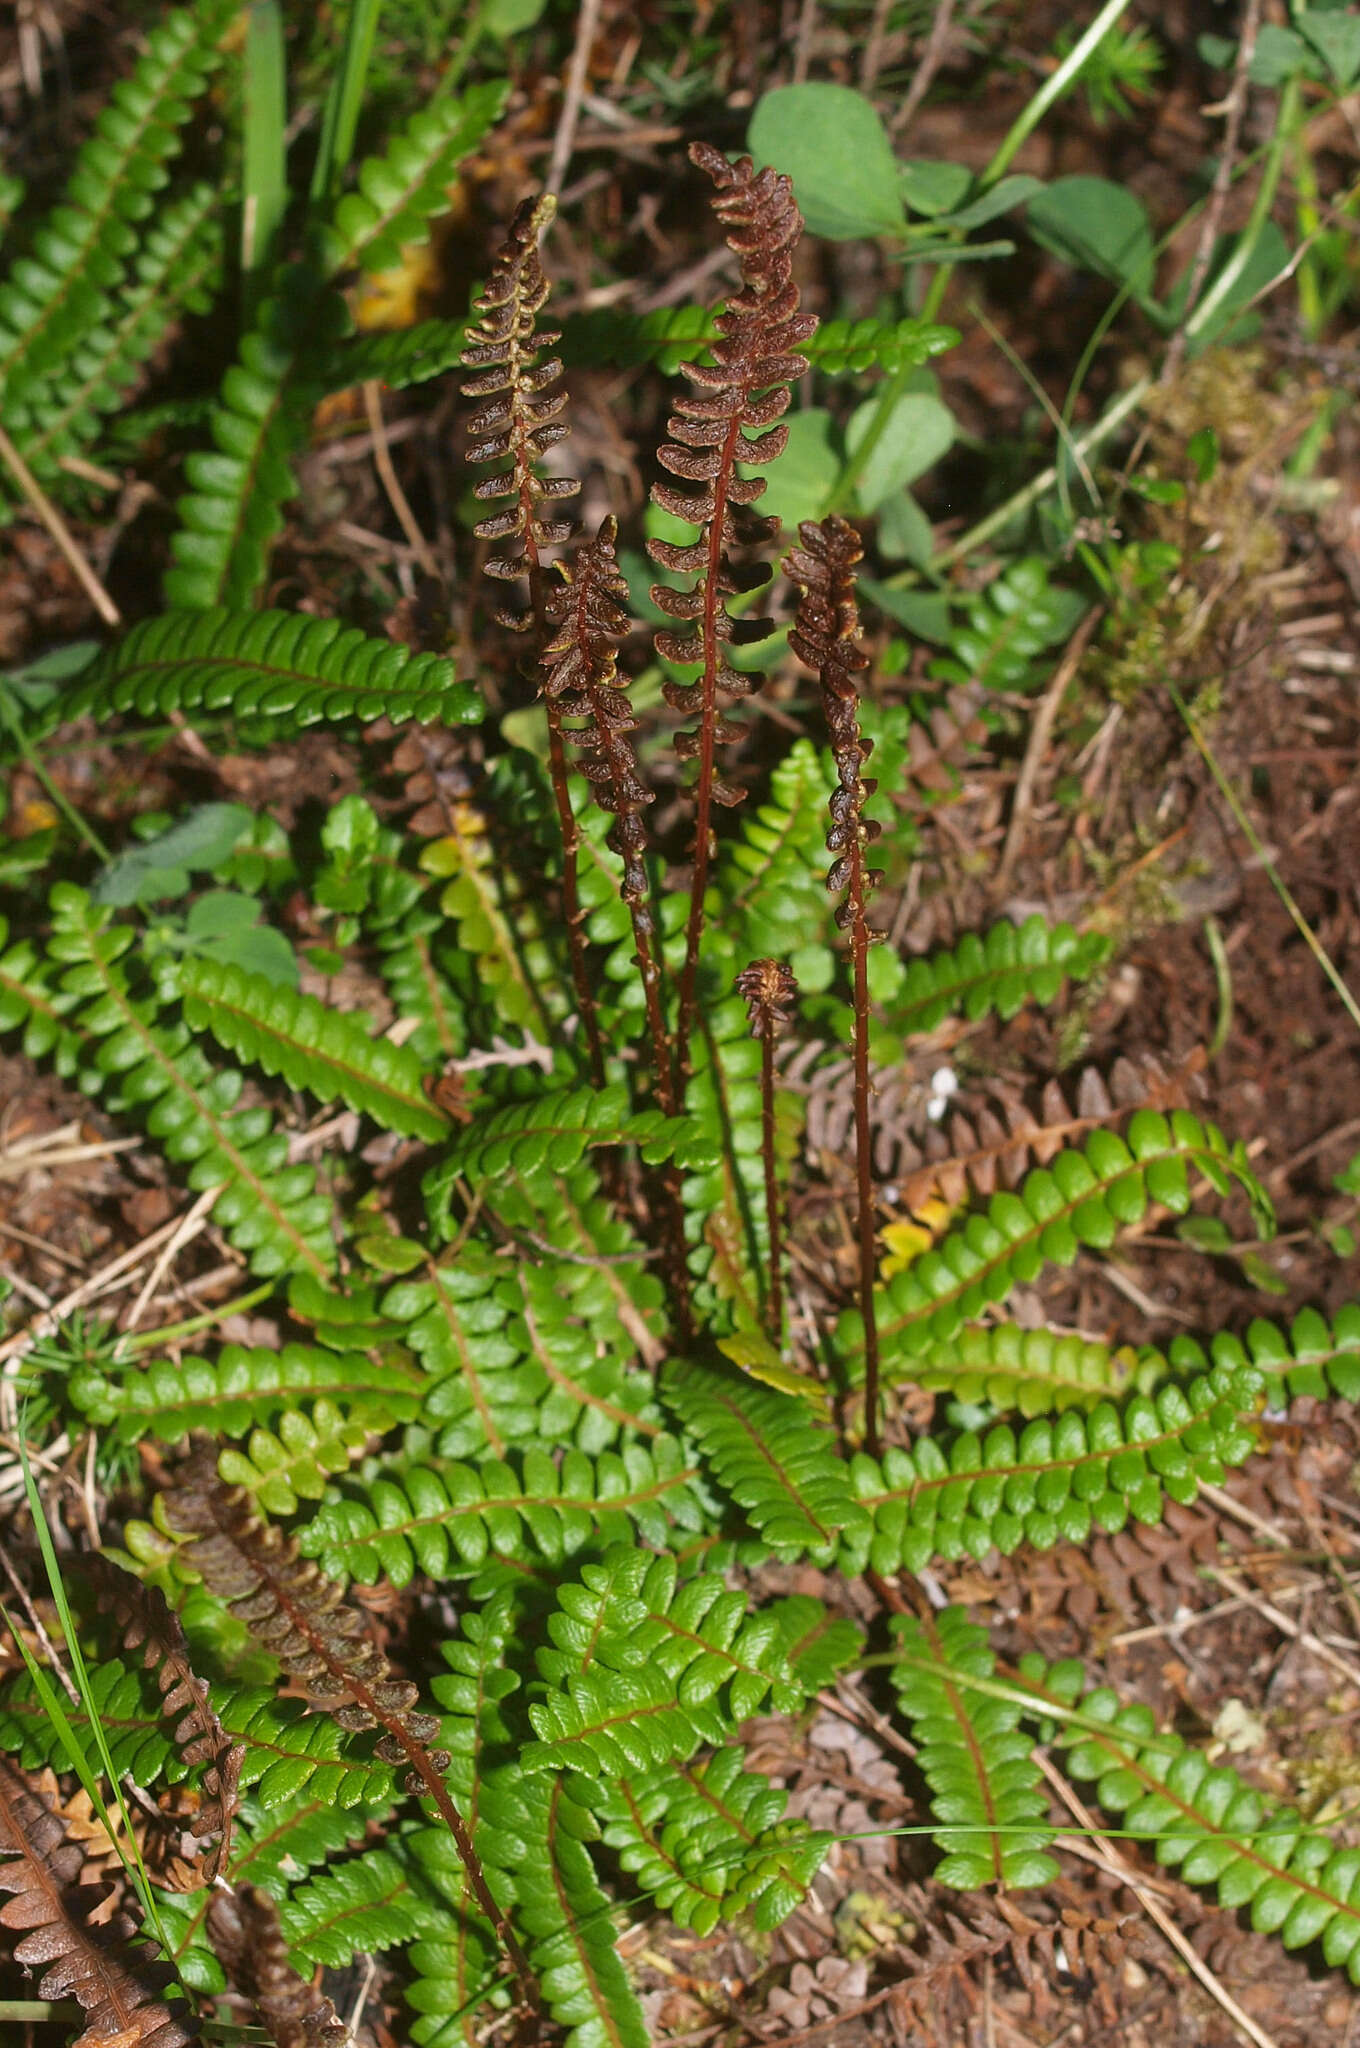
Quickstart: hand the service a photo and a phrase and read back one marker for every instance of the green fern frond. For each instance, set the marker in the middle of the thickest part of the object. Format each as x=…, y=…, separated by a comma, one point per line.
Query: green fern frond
x=275, y=1846
x=57, y=295
x=402, y=191
x=818, y=1645
x=1310, y=1358
x=411, y=355
x=269, y=1209
x=1005, y=628
x=372, y=1903
x=679, y=334
x=496, y=927
x=707, y=1841
x=551, y=1133
x=1013, y=965
x=769, y=1454
x=242, y=1389
x=448, y=1522
x=281, y=665
x=280, y=1468
x=175, y=271
x=233, y=508
x=966, y=1495
x=1033, y=1372
x=328, y=1052
x=559, y=1901
x=986, y=1788
x=1204, y=1821
x=1082, y=1197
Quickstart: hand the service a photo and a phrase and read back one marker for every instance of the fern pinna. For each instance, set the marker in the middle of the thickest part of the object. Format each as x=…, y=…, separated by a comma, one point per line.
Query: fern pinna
x=546, y=1373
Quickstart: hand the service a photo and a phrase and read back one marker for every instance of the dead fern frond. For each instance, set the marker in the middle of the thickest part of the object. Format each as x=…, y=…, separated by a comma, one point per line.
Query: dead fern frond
x=769, y=991
x=244, y=1929
x=323, y=1646
x=730, y=420
x=147, y=1623
x=118, y=1982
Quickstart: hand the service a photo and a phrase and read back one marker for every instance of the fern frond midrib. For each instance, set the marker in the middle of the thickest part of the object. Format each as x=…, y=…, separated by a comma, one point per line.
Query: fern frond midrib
x=178, y=1081
x=891, y=1325
x=468, y=1372
x=623, y=1418
x=191, y=54
x=567, y=1917
x=776, y=1471
x=116, y=338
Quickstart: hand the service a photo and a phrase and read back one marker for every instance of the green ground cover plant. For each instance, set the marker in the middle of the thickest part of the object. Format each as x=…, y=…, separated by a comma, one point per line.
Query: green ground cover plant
x=540, y=1365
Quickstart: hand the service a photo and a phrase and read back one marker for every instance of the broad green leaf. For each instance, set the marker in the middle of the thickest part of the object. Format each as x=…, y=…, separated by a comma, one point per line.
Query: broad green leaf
x=904, y=532
x=161, y=868
x=1098, y=226
x=932, y=187
x=830, y=141
x=999, y=199
x=919, y=431
x=1336, y=38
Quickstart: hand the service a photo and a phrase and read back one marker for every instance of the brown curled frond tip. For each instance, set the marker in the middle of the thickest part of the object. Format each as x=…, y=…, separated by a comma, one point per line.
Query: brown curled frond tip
x=244, y=1929
x=825, y=635
x=769, y=991
x=520, y=417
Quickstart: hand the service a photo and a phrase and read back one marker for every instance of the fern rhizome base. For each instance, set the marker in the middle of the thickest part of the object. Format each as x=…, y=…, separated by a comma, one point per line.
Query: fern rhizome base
x=546, y=1361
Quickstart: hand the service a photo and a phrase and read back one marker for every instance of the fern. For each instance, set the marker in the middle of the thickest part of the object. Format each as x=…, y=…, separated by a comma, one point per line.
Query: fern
x=328, y=1052
x=269, y=1209
x=58, y=295
x=667, y=339
x=411, y=355
x=1056, y=1481
x=176, y=270
x=707, y=1841
x=1205, y=1822
x=234, y=507
x=771, y=1457
x=285, y=666
x=447, y=1522
x=1034, y=1372
x=985, y=1787
x=241, y=1389
x=998, y=974
x=371, y=1904
x=1005, y=627
x=1081, y=1198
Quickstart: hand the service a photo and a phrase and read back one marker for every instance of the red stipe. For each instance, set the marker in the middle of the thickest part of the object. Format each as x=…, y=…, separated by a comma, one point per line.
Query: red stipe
x=769, y=990
x=825, y=635
x=730, y=420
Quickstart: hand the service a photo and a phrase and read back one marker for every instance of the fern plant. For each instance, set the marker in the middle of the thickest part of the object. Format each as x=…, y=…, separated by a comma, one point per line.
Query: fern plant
x=539, y=1365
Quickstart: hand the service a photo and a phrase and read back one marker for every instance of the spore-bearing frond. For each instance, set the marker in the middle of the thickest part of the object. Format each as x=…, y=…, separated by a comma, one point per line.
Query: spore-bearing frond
x=587, y=614
x=825, y=635
x=521, y=417
x=244, y=1929
x=731, y=418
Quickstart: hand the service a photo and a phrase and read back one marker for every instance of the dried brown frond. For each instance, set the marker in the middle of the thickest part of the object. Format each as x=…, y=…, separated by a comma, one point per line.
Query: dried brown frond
x=730, y=420
x=117, y=1981
x=322, y=1645
x=244, y=1929
x=146, y=1623
x=521, y=418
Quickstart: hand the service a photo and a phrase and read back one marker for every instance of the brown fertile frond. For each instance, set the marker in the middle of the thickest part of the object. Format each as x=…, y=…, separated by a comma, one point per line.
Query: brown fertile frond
x=521, y=417
x=730, y=419
x=147, y=1623
x=586, y=612
x=117, y=1982
x=323, y=1646
x=825, y=635
x=293, y=1611
x=244, y=1929
x=769, y=991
